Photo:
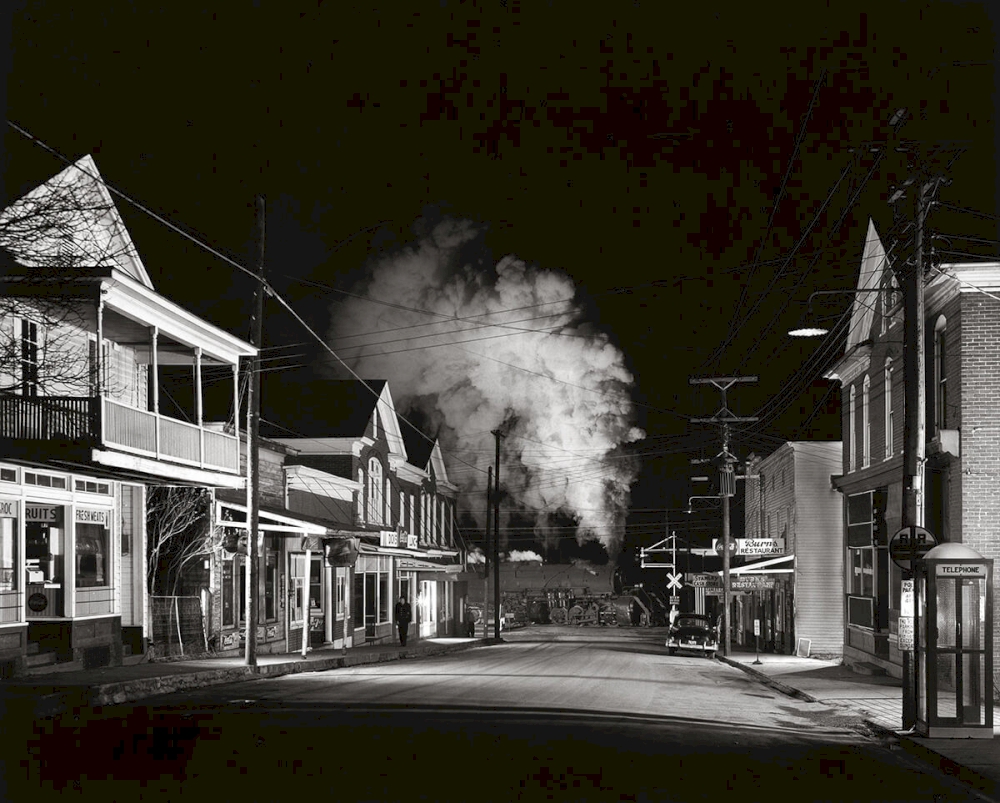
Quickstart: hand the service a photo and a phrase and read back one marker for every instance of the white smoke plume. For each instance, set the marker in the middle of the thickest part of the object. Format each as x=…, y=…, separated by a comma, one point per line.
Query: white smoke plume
x=475, y=347
x=524, y=556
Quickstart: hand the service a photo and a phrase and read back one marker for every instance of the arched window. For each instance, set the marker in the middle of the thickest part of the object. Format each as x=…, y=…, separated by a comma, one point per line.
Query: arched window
x=866, y=423
x=361, y=494
x=940, y=375
x=889, y=421
x=851, y=428
x=375, y=499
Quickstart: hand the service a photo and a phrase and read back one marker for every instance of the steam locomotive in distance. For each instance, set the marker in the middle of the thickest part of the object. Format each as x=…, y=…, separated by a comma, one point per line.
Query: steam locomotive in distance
x=564, y=594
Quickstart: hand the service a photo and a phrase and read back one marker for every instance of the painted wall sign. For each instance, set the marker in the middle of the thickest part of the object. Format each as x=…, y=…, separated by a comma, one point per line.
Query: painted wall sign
x=93, y=515
x=8, y=509
x=43, y=513
x=960, y=570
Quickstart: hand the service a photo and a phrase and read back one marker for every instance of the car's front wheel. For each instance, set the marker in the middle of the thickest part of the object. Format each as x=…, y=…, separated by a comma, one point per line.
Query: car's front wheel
x=710, y=654
x=671, y=650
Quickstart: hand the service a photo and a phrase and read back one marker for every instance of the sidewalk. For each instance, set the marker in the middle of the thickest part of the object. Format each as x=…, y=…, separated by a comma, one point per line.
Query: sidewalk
x=879, y=702
x=55, y=693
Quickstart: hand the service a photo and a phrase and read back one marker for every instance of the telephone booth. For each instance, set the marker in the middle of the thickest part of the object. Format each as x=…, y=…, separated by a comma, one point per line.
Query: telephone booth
x=954, y=660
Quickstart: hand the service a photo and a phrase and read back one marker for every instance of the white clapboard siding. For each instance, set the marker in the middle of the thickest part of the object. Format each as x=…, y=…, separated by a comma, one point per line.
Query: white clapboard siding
x=819, y=551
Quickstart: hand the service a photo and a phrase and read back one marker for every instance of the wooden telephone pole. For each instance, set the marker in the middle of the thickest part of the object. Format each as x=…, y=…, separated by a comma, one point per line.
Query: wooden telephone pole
x=253, y=449
x=727, y=487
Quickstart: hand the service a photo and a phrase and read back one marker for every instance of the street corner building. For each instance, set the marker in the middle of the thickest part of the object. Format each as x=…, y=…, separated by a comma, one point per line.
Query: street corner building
x=88, y=349
x=957, y=499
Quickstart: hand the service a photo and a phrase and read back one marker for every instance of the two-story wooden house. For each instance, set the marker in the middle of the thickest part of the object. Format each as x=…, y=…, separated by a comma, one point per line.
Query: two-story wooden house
x=958, y=501
x=88, y=351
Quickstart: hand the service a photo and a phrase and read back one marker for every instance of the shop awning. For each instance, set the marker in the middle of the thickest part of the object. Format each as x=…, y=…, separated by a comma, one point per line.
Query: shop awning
x=277, y=522
x=765, y=566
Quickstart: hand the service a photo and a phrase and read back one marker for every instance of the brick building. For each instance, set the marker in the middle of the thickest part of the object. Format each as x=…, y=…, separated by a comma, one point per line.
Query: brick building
x=959, y=502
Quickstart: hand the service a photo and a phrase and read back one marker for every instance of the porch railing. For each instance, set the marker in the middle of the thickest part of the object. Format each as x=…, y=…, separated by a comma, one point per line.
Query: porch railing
x=162, y=437
x=77, y=419
x=47, y=418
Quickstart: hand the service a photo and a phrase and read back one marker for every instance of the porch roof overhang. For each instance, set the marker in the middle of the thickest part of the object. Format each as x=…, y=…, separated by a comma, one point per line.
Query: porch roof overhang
x=765, y=566
x=144, y=306
x=281, y=522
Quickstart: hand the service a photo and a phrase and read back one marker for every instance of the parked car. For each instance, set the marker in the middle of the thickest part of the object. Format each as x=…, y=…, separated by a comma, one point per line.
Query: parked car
x=694, y=632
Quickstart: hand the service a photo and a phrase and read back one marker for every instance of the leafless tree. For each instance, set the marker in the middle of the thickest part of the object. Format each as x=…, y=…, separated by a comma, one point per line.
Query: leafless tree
x=179, y=531
x=55, y=232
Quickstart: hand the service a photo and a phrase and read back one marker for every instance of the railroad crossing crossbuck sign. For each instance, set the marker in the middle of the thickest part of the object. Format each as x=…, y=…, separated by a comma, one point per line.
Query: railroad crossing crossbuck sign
x=673, y=581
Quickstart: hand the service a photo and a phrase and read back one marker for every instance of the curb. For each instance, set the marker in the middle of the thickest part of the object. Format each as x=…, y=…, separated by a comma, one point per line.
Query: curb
x=60, y=701
x=913, y=747
x=767, y=680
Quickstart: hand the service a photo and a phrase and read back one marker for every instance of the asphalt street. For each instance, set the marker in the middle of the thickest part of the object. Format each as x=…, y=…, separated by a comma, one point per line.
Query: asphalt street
x=585, y=714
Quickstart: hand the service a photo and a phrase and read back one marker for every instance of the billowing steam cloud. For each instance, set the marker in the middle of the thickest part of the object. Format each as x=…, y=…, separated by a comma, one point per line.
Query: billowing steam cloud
x=471, y=347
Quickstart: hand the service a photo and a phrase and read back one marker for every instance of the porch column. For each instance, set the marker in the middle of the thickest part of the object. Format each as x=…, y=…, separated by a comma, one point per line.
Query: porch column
x=198, y=406
x=236, y=420
x=330, y=610
x=155, y=336
x=98, y=368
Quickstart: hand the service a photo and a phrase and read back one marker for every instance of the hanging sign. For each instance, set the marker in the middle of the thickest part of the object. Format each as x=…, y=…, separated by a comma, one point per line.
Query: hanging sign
x=92, y=515
x=389, y=538
x=760, y=546
x=910, y=544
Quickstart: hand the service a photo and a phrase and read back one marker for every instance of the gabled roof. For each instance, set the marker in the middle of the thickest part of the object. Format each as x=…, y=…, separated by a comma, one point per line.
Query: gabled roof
x=294, y=406
x=78, y=206
x=418, y=447
x=874, y=265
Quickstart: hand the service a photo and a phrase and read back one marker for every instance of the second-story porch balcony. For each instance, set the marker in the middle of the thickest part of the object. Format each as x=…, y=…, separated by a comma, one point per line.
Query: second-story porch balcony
x=101, y=369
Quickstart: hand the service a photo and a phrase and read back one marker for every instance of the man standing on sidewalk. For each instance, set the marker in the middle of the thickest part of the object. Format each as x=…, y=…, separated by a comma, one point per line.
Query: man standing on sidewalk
x=403, y=616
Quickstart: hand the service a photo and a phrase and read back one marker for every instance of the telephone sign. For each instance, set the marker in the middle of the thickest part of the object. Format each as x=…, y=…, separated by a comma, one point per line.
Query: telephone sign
x=910, y=544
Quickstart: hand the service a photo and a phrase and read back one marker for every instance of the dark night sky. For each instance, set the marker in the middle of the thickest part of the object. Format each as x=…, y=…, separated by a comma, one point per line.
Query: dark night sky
x=640, y=147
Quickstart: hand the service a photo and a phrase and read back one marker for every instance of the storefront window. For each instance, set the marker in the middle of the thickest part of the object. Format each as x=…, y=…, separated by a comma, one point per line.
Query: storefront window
x=866, y=532
x=315, y=581
x=44, y=543
x=8, y=554
x=228, y=593
x=341, y=590
x=358, y=611
x=92, y=567
x=383, y=597
x=270, y=585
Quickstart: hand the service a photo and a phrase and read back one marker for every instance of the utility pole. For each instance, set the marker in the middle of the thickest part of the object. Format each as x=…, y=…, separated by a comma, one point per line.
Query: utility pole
x=910, y=275
x=727, y=476
x=253, y=448
x=486, y=552
x=497, y=434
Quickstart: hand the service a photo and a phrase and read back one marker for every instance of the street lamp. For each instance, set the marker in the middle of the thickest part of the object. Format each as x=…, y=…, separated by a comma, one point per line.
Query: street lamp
x=692, y=498
x=819, y=331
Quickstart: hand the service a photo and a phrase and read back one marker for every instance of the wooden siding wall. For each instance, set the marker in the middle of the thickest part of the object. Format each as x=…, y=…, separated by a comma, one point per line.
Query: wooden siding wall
x=819, y=550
